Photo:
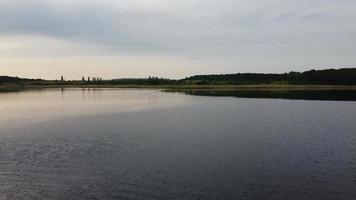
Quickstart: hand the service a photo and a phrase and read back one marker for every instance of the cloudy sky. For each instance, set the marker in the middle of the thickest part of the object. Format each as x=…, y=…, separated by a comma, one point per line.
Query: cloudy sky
x=173, y=38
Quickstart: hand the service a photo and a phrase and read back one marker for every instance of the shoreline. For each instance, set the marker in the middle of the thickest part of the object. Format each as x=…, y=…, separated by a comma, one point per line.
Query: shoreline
x=18, y=88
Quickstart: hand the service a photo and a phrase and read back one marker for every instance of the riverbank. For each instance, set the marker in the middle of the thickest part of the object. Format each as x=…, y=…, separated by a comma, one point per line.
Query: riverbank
x=16, y=88
x=9, y=87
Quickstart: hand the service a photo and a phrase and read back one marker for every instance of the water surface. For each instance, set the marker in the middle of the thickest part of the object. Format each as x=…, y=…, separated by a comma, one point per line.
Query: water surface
x=322, y=95
x=147, y=144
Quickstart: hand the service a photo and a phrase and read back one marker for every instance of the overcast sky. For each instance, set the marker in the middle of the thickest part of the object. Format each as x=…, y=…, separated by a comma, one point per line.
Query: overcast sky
x=173, y=38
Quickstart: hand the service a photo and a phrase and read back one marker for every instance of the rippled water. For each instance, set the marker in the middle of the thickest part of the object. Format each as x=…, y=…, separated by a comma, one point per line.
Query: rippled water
x=147, y=144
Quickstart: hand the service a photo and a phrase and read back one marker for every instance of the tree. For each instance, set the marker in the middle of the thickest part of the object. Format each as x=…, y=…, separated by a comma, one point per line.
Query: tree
x=83, y=79
x=62, y=78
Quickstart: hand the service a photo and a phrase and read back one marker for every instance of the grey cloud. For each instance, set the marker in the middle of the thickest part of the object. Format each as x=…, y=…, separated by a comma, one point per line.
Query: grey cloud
x=226, y=27
x=42, y=19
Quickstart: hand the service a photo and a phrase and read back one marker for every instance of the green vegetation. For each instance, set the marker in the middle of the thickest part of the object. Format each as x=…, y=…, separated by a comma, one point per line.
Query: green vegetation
x=314, y=79
x=317, y=77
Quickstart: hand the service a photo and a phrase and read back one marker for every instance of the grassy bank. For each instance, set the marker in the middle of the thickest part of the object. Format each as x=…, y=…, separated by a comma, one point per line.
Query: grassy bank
x=261, y=87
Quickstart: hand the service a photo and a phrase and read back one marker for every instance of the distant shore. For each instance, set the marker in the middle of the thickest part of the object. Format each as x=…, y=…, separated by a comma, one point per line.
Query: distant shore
x=330, y=79
x=16, y=88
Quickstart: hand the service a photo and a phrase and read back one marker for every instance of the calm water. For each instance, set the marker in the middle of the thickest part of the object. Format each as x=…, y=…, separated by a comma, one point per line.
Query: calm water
x=147, y=144
x=322, y=95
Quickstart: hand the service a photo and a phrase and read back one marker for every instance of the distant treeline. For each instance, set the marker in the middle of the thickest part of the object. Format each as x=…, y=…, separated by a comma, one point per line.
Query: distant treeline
x=8, y=79
x=142, y=81
x=86, y=81
x=318, y=77
x=322, y=77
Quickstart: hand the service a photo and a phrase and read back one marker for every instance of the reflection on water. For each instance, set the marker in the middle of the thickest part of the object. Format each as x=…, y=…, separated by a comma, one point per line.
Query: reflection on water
x=31, y=106
x=147, y=144
x=336, y=95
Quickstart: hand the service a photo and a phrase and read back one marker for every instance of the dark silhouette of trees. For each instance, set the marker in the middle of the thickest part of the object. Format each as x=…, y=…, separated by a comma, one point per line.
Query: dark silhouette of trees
x=317, y=77
x=324, y=77
x=8, y=79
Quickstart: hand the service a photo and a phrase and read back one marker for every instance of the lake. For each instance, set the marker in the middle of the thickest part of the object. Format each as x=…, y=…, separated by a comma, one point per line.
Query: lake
x=149, y=144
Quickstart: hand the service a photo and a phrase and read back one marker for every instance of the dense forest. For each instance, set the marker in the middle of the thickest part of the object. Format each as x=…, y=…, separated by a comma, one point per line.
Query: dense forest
x=322, y=77
x=8, y=79
x=318, y=77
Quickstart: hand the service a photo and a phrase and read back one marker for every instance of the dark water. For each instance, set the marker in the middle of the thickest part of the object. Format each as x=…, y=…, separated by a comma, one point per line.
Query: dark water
x=323, y=95
x=146, y=144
